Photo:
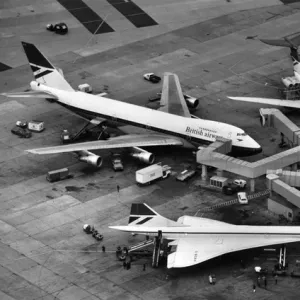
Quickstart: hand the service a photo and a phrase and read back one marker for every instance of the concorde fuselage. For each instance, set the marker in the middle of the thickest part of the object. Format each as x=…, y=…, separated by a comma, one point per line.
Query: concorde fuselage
x=173, y=232
x=192, y=131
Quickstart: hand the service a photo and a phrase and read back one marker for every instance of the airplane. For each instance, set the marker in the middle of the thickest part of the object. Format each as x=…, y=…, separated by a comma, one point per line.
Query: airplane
x=290, y=82
x=200, y=239
x=171, y=125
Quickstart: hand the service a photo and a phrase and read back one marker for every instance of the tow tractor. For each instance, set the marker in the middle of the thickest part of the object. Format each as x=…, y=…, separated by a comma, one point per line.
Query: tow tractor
x=100, y=124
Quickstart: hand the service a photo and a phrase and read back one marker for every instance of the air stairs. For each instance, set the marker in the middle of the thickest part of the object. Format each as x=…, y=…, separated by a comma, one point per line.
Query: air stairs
x=262, y=194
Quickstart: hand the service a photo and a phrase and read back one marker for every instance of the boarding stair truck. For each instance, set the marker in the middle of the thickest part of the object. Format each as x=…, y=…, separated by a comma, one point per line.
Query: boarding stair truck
x=147, y=175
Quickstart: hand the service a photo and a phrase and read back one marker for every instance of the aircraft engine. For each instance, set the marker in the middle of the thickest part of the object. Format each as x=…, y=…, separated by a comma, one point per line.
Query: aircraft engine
x=192, y=102
x=90, y=158
x=289, y=82
x=142, y=155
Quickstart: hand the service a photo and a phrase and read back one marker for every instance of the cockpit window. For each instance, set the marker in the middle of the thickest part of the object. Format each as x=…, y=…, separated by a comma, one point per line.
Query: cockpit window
x=241, y=134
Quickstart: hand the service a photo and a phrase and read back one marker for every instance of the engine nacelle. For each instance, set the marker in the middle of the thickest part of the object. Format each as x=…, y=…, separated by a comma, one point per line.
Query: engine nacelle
x=90, y=158
x=191, y=102
x=142, y=155
x=290, y=82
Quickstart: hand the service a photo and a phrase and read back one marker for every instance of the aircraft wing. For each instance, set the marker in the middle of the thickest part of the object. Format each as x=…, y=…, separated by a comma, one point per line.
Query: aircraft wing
x=192, y=251
x=31, y=94
x=172, y=100
x=275, y=102
x=277, y=42
x=124, y=141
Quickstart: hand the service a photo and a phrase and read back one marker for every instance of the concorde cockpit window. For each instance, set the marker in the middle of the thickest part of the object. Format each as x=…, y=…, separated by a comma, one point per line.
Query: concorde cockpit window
x=241, y=134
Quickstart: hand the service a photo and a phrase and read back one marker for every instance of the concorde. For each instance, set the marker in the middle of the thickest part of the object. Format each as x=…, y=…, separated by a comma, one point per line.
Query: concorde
x=171, y=125
x=200, y=239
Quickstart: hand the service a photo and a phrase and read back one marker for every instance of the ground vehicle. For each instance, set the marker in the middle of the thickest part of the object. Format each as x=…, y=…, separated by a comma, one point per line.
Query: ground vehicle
x=60, y=28
x=58, y=175
x=242, y=197
x=151, y=173
x=186, y=174
x=231, y=189
x=117, y=162
x=152, y=77
x=22, y=124
x=241, y=183
x=21, y=132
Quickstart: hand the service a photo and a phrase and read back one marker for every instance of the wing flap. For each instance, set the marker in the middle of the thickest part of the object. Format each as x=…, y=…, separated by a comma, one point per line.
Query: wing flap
x=31, y=94
x=276, y=42
x=275, y=102
x=123, y=141
x=172, y=100
x=192, y=251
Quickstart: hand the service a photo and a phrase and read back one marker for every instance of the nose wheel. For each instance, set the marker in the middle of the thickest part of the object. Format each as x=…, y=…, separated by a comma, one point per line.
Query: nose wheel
x=156, y=250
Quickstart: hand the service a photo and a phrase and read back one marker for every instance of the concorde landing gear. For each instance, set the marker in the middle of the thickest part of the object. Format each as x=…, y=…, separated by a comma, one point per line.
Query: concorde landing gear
x=156, y=249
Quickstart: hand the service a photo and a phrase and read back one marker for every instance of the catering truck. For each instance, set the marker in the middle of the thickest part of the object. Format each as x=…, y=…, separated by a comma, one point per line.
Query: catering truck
x=151, y=173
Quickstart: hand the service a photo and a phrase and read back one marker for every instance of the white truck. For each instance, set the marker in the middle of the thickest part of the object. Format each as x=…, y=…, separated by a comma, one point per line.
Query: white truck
x=151, y=173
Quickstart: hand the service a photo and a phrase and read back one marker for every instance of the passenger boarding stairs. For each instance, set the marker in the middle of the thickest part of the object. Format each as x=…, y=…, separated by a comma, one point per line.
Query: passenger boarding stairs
x=140, y=245
x=262, y=194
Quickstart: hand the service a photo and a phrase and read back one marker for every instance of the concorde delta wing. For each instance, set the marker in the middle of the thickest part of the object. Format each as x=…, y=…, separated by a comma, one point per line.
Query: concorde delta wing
x=194, y=250
x=172, y=100
x=137, y=140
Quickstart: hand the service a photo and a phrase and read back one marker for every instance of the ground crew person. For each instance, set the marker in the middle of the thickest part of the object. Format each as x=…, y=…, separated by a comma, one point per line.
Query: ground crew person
x=276, y=277
x=118, y=188
x=103, y=248
x=254, y=287
x=144, y=267
x=210, y=279
x=294, y=53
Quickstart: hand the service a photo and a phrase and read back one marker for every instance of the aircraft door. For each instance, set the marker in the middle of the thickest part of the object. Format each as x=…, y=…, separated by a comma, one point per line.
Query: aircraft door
x=229, y=135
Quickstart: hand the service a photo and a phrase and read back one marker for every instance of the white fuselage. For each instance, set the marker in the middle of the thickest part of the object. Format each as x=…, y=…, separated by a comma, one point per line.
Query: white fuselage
x=192, y=131
x=173, y=232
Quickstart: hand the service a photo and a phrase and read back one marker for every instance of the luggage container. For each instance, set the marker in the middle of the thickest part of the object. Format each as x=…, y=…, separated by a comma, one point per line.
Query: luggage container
x=36, y=126
x=58, y=175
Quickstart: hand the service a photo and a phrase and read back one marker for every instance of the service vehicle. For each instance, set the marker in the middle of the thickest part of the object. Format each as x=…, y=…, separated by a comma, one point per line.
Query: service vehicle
x=240, y=182
x=231, y=189
x=152, y=77
x=186, y=174
x=151, y=173
x=59, y=28
x=117, y=162
x=22, y=124
x=21, y=132
x=242, y=197
x=57, y=175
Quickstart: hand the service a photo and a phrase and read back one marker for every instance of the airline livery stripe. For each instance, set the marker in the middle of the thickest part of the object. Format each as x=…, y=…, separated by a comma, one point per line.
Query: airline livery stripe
x=144, y=221
x=46, y=72
x=267, y=235
x=132, y=219
x=34, y=68
x=140, y=210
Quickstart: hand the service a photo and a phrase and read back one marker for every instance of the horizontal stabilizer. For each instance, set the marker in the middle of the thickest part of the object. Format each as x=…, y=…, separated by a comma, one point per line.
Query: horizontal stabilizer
x=31, y=94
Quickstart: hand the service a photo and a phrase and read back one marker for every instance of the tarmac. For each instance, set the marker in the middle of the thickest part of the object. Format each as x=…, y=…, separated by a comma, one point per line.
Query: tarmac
x=44, y=252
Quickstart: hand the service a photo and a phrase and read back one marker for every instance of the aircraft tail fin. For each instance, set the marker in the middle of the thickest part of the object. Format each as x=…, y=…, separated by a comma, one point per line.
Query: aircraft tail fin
x=43, y=71
x=143, y=215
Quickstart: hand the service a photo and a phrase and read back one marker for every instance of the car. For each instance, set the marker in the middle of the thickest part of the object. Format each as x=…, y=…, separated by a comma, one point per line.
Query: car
x=22, y=124
x=242, y=197
x=241, y=183
x=186, y=174
x=117, y=162
x=59, y=28
x=21, y=132
x=230, y=189
x=152, y=77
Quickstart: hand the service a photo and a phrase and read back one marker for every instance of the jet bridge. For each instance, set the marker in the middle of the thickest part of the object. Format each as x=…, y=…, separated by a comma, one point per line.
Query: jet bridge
x=211, y=155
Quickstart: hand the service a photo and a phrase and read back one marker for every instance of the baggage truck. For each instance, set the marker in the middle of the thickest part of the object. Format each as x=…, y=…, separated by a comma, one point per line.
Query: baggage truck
x=151, y=173
x=58, y=175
